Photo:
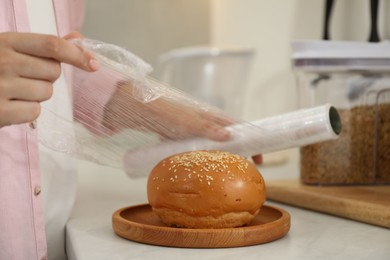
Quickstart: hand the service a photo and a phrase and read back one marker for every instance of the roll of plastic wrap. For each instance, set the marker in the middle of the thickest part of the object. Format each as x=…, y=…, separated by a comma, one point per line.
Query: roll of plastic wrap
x=294, y=129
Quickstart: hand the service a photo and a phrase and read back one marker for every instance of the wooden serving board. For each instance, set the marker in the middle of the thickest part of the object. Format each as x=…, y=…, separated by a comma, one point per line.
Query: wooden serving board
x=139, y=223
x=369, y=204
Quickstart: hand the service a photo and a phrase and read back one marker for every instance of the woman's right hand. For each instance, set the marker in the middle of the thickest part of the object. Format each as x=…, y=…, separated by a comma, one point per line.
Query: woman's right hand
x=29, y=65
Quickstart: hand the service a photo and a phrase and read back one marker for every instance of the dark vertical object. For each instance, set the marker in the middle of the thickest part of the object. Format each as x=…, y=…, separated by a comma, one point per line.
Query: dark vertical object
x=328, y=13
x=374, y=35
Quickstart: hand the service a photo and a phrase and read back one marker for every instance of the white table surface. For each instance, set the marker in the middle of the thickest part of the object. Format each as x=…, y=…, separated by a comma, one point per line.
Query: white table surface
x=101, y=191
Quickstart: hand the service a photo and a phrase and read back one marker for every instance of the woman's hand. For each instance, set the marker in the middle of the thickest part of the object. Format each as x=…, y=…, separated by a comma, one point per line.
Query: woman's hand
x=29, y=65
x=165, y=116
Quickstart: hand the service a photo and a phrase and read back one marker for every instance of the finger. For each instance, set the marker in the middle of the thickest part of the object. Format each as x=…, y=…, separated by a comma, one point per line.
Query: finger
x=27, y=89
x=73, y=35
x=257, y=159
x=50, y=46
x=218, y=133
x=219, y=119
x=213, y=124
x=17, y=112
x=203, y=124
x=28, y=66
x=208, y=129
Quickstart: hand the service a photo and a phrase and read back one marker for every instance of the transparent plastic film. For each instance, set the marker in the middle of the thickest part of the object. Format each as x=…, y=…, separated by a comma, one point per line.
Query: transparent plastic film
x=121, y=117
x=276, y=133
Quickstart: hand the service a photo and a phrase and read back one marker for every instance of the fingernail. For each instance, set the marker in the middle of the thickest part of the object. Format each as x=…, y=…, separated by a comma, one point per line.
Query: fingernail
x=94, y=64
x=222, y=134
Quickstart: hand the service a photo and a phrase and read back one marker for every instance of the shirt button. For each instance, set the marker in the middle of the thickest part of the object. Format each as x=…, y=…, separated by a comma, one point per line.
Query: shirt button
x=37, y=190
x=33, y=124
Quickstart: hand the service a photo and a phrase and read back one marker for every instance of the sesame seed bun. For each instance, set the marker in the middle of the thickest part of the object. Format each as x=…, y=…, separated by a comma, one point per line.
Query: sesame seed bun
x=206, y=189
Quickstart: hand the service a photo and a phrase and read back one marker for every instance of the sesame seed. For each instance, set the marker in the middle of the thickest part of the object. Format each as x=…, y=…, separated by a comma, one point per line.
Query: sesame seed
x=210, y=162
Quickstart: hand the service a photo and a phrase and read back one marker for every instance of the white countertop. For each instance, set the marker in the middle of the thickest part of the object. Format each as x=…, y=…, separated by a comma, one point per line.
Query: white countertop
x=101, y=191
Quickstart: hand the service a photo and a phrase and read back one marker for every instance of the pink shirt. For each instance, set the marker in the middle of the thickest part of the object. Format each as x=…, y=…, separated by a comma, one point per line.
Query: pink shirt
x=22, y=227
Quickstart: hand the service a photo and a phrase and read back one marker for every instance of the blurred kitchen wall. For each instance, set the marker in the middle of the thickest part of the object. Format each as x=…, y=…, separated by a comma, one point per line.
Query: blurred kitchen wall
x=151, y=27
x=148, y=27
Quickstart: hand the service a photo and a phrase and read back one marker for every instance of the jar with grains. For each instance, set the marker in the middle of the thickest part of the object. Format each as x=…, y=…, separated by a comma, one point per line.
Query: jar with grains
x=355, y=78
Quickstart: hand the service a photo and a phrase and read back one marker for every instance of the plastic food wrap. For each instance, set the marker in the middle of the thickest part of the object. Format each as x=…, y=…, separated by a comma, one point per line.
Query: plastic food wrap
x=122, y=117
x=289, y=130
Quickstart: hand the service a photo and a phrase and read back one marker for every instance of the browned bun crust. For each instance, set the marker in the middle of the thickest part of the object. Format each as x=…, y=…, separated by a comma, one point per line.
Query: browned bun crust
x=206, y=189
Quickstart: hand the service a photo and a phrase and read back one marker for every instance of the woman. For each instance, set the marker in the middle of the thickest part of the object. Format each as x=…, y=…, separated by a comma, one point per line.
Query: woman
x=33, y=45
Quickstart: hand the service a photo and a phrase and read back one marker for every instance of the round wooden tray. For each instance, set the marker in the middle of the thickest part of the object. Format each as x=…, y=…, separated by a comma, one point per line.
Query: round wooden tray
x=139, y=223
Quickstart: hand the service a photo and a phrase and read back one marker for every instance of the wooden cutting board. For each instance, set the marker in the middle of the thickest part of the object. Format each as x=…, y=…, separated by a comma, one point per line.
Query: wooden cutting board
x=139, y=223
x=369, y=204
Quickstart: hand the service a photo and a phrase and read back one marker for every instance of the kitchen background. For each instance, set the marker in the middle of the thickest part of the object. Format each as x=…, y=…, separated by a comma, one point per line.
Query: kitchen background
x=152, y=27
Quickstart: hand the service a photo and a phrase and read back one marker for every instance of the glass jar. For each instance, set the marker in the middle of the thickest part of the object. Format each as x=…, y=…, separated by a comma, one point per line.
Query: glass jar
x=355, y=78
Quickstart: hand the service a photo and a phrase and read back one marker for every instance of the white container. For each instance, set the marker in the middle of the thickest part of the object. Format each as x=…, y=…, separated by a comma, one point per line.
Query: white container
x=217, y=76
x=355, y=78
